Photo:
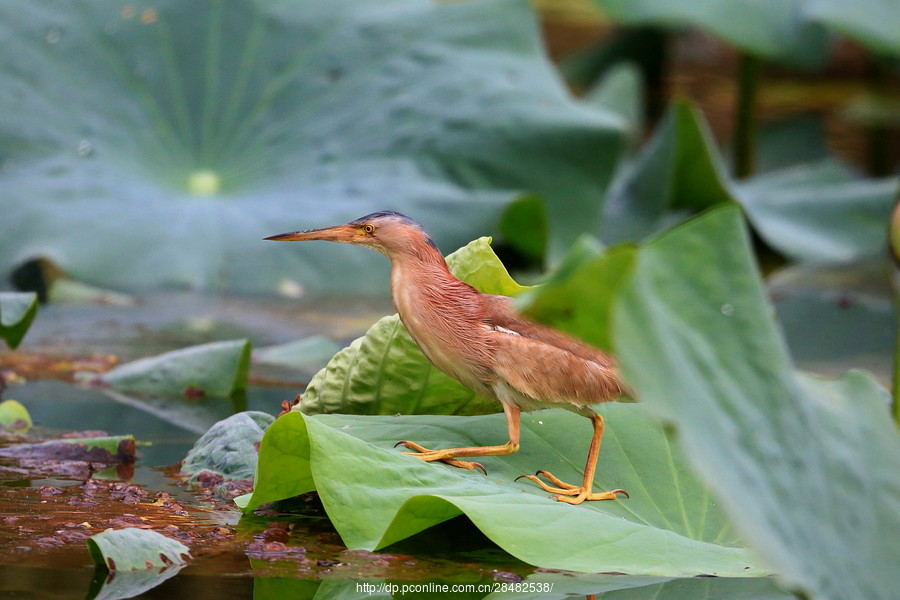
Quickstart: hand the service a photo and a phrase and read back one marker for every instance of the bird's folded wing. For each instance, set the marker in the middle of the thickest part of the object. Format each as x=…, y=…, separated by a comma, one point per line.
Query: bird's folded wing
x=550, y=374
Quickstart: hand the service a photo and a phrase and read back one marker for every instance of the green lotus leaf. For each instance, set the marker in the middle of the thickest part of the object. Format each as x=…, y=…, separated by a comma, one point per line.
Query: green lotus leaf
x=149, y=144
x=17, y=311
x=820, y=212
x=817, y=212
x=214, y=370
x=384, y=372
x=376, y=495
x=579, y=299
x=808, y=469
x=133, y=549
x=678, y=173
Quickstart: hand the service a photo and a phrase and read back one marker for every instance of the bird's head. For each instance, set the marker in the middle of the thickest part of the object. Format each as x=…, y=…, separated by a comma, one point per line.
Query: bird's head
x=386, y=231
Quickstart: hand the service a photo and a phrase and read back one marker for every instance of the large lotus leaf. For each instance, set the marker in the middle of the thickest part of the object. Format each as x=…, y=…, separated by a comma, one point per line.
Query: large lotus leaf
x=181, y=133
x=376, y=495
x=808, y=469
x=820, y=212
x=17, y=311
x=384, y=372
x=775, y=29
x=678, y=172
x=214, y=370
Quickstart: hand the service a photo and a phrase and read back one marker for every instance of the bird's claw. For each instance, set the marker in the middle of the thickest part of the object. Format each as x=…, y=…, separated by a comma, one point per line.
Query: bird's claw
x=445, y=456
x=571, y=494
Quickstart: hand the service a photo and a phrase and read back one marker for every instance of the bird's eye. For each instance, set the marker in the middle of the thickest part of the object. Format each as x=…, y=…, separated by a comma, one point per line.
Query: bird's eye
x=369, y=229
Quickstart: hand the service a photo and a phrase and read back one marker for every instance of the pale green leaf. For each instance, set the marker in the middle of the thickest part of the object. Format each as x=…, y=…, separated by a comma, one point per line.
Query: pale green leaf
x=376, y=495
x=14, y=417
x=809, y=470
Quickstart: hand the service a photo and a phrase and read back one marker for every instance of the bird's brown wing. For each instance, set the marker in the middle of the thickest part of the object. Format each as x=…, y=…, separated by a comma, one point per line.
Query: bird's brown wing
x=546, y=365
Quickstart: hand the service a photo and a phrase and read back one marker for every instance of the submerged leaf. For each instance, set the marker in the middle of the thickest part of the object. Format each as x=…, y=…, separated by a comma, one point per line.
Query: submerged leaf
x=105, y=449
x=809, y=470
x=214, y=370
x=384, y=372
x=17, y=311
x=133, y=549
x=228, y=449
x=375, y=495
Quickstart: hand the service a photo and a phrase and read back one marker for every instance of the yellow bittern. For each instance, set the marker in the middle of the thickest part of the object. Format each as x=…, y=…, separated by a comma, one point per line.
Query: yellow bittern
x=481, y=341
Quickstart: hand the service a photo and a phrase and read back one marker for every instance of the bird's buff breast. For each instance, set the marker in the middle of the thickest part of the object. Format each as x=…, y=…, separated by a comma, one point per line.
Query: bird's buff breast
x=442, y=339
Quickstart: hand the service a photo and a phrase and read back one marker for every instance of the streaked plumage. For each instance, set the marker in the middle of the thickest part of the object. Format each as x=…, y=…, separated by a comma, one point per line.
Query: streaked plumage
x=481, y=341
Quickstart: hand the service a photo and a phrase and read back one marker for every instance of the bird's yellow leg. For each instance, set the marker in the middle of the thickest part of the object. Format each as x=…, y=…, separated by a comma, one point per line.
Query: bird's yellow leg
x=573, y=494
x=449, y=455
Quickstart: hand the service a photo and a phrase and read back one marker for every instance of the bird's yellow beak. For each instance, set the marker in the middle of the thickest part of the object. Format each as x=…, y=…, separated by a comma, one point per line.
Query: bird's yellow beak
x=338, y=233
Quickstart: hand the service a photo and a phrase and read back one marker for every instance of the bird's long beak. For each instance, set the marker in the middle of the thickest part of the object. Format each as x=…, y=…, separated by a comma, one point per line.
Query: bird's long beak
x=338, y=233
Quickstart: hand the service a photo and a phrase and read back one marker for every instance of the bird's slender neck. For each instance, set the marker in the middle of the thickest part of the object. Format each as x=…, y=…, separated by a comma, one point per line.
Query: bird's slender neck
x=419, y=255
x=422, y=284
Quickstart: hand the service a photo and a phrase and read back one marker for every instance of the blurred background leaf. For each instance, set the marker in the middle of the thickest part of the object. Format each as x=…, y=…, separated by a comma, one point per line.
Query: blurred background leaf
x=181, y=134
x=214, y=370
x=808, y=469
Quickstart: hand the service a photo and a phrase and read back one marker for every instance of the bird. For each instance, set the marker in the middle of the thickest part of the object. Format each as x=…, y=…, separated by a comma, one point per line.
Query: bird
x=483, y=342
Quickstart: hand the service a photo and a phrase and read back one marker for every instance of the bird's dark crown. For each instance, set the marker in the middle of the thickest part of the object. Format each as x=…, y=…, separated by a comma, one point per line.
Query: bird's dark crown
x=392, y=214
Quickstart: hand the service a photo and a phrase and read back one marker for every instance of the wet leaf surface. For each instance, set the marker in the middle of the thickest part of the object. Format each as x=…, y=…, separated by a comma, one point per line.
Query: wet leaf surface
x=375, y=495
x=228, y=450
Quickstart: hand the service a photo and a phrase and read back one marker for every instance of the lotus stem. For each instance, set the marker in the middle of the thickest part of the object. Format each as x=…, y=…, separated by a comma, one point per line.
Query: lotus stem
x=745, y=118
x=894, y=244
